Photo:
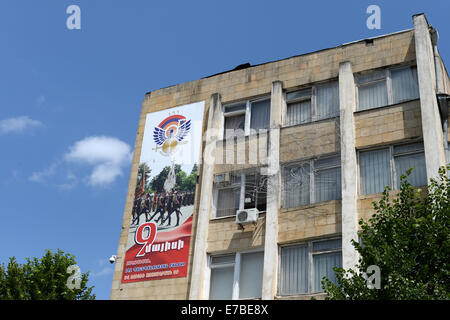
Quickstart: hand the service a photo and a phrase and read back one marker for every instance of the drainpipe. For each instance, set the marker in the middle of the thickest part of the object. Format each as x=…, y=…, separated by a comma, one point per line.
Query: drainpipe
x=442, y=98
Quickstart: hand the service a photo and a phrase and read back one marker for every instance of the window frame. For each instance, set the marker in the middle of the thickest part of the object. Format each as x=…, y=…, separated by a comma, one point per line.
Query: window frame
x=236, y=270
x=242, y=185
x=247, y=112
x=392, y=156
x=312, y=172
x=388, y=79
x=313, y=98
x=311, y=253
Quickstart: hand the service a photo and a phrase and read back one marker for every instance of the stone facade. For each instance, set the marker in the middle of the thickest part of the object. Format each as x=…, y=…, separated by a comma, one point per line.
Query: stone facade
x=381, y=126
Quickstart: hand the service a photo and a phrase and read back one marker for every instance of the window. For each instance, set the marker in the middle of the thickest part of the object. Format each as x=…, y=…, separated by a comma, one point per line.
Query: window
x=312, y=181
x=228, y=194
x=236, y=276
x=228, y=201
x=302, y=266
x=383, y=167
x=240, y=191
x=246, y=117
x=385, y=87
x=315, y=103
x=255, y=192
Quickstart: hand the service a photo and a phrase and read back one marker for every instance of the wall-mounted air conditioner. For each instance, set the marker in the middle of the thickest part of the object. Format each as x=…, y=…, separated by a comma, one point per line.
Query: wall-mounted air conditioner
x=247, y=216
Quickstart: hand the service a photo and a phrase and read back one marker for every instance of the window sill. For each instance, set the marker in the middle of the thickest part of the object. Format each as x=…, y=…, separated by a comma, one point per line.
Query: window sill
x=223, y=218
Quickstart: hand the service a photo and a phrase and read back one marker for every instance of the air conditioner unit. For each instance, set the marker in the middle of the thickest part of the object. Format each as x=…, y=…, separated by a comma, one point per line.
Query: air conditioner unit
x=247, y=216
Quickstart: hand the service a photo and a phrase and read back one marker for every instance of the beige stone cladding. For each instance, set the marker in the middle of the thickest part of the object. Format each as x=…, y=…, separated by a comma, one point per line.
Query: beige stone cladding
x=296, y=224
x=386, y=125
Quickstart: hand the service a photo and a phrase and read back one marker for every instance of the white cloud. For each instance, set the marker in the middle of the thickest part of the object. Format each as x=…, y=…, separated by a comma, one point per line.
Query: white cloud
x=71, y=181
x=18, y=124
x=40, y=176
x=107, y=155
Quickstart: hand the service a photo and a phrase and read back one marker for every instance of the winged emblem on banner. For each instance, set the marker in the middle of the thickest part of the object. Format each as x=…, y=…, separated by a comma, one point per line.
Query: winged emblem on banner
x=170, y=132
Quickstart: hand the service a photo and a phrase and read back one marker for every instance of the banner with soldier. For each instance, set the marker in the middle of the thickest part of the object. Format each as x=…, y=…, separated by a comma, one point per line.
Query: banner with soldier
x=162, y=210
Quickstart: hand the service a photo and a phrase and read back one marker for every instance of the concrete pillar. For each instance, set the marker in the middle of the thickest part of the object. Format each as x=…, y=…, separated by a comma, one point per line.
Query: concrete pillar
x=199, y=264
x=347, y=101
x=433, y=138
x=270, y=273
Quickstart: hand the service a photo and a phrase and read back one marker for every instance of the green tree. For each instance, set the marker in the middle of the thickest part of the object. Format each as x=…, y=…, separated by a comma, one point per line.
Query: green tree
x=408, y=238
x=194, y=169
x=190, y=181
x=42, y=279
x=157, y=183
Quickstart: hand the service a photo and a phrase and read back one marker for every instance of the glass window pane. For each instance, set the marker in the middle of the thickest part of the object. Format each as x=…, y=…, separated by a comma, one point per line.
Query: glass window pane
x=222, y=259
x=328, y=162
x=299, y=112
x=327, y=183
x=294, y=270
x=237, y=107
x=372, y=95
x=404, y=84
x=234, y=126
x=418, y=176
x=408, y=147
x=371, y=76
x=296, y=185
x=235, y=178
x=250, y=191
x=255, y=192
x=375, y=170
x=328, y=100
x=327, y=245
x=260, y=115
x=323, y=265
x=298, y=94
x=227, y=202
x=221, y=287
x=250, y=278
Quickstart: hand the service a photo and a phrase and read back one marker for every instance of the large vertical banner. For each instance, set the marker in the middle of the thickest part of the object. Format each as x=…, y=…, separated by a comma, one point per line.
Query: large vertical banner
x=161, y=219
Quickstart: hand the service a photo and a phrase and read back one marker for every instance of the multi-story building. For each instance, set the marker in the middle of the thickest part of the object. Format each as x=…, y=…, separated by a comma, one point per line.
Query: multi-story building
x=309, y=142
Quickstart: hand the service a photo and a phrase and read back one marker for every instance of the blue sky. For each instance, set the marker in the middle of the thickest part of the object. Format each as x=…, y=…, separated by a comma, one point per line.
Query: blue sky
x=70, y=99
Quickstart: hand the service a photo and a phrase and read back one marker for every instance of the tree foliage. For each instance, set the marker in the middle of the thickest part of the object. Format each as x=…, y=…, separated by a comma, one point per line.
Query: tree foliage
x=408, y=238
x=183, y=181
x=42, y=279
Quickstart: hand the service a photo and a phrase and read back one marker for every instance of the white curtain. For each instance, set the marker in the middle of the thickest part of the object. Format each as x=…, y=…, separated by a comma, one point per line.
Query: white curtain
x=260, y=115
x=372, y=95
x=328, y=100
x=294, y=270
x=375, y=170
x=221, y=287
x=404, y=84
x=299, y=112
x=418, y=176
x=251, y=274
x=327, y=184
x=323, y=267
x=227, y=202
